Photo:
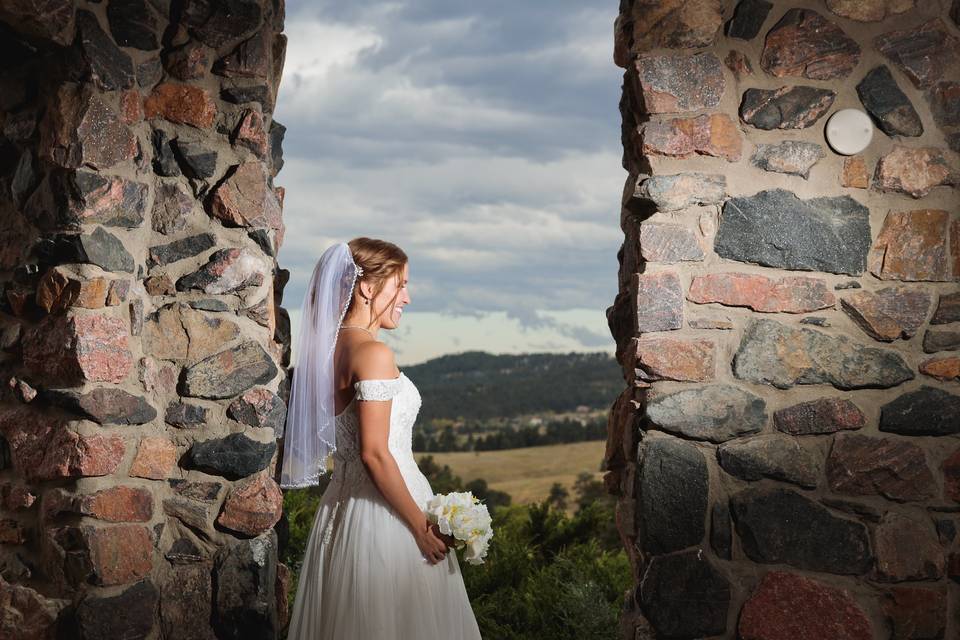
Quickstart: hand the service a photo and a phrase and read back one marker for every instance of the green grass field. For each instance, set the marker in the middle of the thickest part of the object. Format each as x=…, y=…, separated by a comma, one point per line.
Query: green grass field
x=528, y=473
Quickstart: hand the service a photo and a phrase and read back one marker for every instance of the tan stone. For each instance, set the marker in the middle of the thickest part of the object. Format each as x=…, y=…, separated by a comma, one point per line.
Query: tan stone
x=675, y=359
x=119, y=554
x=180, y=103
x=917, y=171
x=164, y=335
x=791, y=294
x=869, y=10
x=675, y=24
x=131, y=107
x=61, y=288
x=207, y=334
x=154, y=460
x=912, y=245
x=712, y=135
x=739, y=64
x=254, y=505
x=246, y=199
x=955, y=247
x=855, y=174
x=890, y=313
x=942, y=368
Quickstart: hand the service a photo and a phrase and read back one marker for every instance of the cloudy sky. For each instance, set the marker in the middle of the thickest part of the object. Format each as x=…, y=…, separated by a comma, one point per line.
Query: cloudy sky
x=483, y=139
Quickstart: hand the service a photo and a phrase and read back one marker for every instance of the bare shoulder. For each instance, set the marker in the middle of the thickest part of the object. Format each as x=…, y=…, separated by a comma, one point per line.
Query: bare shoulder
x=374, y=360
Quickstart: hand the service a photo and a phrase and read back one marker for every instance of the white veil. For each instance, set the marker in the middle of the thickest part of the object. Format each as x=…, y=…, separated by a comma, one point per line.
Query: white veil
x=310, y=433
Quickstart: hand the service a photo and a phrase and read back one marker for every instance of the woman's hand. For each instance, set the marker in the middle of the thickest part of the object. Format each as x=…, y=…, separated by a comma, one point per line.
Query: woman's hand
x=443, y=536
x=433, y=547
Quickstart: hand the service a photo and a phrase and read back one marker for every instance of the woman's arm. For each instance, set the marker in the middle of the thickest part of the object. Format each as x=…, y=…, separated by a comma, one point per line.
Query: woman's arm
x=376, y=362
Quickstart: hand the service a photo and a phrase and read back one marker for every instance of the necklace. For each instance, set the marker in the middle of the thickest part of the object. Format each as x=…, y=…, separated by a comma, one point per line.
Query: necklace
x=356, y=326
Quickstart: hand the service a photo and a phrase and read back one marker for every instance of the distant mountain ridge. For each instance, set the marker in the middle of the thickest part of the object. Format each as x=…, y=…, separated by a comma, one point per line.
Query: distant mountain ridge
x=481, y=385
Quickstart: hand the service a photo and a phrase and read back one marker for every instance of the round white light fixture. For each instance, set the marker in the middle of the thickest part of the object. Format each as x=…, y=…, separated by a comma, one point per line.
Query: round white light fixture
x=849, y=131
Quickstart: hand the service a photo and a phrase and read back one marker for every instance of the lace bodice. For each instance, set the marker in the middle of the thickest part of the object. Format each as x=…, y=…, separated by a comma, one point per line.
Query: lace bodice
x=348, y=468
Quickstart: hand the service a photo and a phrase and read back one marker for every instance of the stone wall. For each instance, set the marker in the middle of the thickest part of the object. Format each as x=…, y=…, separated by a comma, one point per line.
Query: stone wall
x=142, y=345
x=787, y=452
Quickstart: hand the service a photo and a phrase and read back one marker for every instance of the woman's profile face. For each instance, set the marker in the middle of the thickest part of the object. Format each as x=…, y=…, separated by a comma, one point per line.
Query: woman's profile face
x=391, y=317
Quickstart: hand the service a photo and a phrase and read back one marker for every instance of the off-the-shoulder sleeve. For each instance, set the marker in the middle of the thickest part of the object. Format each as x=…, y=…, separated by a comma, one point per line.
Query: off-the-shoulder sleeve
x=383, y=389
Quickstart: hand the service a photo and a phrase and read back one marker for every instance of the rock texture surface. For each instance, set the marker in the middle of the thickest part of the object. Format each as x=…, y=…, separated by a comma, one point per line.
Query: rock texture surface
x=789, y=316
x=138, y=151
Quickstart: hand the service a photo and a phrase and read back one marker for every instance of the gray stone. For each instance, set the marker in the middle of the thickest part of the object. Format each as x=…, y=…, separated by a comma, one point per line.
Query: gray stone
x=685, y=596
x=103, y=249
x=220, y=22
x=747, y=19
x=275, y=136
x=678, y=83
x=171, y=208
x=721, y=538
x=928, y=411
x=85, y=197
x=250, y=59
x=807, y=356
x=785, y=108
x=164, y=162
x=196, y=159
x=179, y=249
x=923, y=52
x=245, y=581
x=948, y=309
x=259, y=408
x=790, y=157
x=671, y=520
x=227, y=270
x=111, y=68
x=908, y=549
x=774, y=456
x=133, y=24
x=674, y=192
x=934, y=340
x=184, y=415
x=891, y=109
x=716, y=413
x=781, y=526
x=186, y=602
x=235, y=456
x=196, y=515
x=659, y=301
x=209, y=304
x=804, y=43
x=104, y=405
x=824, y=415
x=890, y=467
x=149, y=73
x=128, y=615
x=669, y=243
x=944, y=100
x=775, y=228
x=243, y=94
x=229, y=373
x=202, y=491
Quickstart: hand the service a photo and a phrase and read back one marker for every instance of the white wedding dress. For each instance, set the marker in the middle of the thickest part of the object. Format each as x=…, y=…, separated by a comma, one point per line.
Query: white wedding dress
x=363, y=575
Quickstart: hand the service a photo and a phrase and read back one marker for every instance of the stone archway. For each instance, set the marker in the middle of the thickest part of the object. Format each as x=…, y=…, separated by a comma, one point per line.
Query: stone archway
x=143, y=346
x=786, y=450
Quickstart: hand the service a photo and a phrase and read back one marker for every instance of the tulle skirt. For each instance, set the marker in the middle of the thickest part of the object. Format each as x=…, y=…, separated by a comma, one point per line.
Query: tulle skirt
x=365, y=578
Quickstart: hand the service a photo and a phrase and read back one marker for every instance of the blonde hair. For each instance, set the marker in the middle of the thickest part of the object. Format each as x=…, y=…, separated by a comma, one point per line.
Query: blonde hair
x=380, y=260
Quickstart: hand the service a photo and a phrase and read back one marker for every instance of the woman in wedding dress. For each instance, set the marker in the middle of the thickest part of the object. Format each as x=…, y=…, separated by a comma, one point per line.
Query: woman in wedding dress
x=375, y=567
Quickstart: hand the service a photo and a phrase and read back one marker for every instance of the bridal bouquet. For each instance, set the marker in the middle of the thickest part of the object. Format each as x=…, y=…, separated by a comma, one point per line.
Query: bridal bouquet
x=463, y=516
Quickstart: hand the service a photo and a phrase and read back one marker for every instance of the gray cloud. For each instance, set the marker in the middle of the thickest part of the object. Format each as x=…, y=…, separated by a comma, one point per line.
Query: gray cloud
x=483, y=138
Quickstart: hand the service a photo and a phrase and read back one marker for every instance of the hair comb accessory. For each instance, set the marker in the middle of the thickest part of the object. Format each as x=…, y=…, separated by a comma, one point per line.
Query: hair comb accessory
x=359, y=271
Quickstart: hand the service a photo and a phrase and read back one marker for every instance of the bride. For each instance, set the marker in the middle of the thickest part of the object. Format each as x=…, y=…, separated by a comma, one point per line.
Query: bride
x=375, y=568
